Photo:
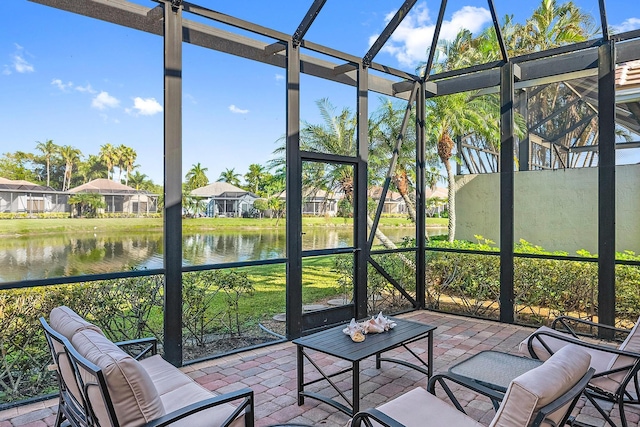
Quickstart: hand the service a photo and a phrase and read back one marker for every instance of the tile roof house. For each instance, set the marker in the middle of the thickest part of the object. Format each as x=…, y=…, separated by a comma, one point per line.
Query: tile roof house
x=120, y=198
x=20, y=196
x=225, y=200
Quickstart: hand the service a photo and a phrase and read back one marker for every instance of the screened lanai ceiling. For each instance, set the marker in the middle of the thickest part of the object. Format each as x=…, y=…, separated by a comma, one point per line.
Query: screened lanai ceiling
x=238, y=29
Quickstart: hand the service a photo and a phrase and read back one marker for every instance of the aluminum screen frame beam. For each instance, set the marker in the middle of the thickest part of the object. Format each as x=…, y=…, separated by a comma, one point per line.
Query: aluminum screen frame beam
x=173, y=184
x=496, y=27
x=507, y=198
x=607, y=185
x=388, y=31
x=306, y=23
x=141, y=18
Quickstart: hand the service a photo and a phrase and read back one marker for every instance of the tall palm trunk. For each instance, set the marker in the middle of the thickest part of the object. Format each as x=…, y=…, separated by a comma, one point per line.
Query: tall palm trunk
x=48, y=171
x=451, y=194
x=445, y=146
x=402, y=184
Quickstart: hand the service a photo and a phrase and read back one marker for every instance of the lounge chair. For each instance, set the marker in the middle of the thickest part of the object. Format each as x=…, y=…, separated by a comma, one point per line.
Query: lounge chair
x=616, y=368
x=103, y=386
x=546, y=394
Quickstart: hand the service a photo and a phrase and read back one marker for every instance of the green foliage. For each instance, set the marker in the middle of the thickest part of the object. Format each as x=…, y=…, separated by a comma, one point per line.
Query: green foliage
x=381, y=294
x=345, y=210
x=124, y=309
x=87, y=204
x=543, y=288
x=211, y=303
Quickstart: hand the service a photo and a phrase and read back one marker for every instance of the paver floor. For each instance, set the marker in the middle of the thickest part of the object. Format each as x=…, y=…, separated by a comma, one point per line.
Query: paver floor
x=271, y=373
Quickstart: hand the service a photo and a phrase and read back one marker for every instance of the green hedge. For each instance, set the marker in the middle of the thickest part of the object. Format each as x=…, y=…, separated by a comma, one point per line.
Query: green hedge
x=124, y=309
x=543, y=288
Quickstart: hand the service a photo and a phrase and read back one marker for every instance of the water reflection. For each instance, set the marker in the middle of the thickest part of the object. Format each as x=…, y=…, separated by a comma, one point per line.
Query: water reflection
x=70, y=254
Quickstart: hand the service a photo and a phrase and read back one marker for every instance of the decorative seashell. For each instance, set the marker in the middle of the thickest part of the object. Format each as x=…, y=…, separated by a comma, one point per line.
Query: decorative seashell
x=372, y=327
x=354, y=330
x=384, y=322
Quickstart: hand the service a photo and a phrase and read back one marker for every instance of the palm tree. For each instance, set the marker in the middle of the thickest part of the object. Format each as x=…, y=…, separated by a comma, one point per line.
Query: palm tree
x=71, y=156
x=196, y=177
x=91, y=168
x=139, y=181
x=254, y=178
x=87, y=204
x=48, y=149
x=454, y=116
x=384, y=129
x=553, y=25
x=128, y=158
x=230, y=176
x=119, y=154
x=107, y=154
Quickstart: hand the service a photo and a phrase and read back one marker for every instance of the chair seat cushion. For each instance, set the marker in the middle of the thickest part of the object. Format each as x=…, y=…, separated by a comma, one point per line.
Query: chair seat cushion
x=178, y=390
x=418, y=406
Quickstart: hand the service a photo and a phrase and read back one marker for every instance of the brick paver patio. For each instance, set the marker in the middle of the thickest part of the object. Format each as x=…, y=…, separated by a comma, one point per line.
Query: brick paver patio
x=271, y=373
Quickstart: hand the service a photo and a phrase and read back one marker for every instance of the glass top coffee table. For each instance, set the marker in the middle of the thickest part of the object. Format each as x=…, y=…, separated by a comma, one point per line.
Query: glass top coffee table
x=494, y=369
x=336, y=343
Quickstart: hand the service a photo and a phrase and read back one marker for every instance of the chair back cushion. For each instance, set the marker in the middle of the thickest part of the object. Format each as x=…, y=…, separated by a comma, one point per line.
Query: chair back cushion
x=538, y=348
x=631, y=343
x=67, y=322
x=132, y=392
x=540, y=386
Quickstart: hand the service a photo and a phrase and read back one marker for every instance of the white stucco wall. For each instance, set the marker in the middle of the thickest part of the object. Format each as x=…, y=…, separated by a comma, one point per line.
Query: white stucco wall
x=557, y=210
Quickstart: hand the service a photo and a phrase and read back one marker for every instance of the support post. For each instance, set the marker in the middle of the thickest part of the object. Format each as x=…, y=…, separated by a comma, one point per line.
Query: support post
x=294, y=196
x=421, y=223
x=506, y=191
x=360, y=201
x=173, y=183
x=606, y=184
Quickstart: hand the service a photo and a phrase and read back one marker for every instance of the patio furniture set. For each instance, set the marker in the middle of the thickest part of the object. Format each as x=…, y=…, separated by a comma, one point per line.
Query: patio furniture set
x=127, y=384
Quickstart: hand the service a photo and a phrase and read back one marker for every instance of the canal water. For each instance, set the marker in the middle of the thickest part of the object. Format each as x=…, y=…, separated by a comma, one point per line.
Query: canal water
x=68, y=254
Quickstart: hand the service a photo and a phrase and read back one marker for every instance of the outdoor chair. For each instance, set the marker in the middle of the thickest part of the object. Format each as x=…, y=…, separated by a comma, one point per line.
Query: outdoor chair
x=103, y=386
x=616, y=368
x=545, y=395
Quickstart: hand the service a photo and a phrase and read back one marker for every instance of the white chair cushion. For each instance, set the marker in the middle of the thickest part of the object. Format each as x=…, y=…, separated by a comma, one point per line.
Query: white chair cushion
x=418, y=407
x=534, y=389
x=178, y=390
x=67, y=322
x=632, y=344
x=134, y=396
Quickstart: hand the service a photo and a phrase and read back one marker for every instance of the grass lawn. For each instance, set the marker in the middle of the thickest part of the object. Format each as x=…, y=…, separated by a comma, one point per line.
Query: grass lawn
x=320, y=282
x=11, y=227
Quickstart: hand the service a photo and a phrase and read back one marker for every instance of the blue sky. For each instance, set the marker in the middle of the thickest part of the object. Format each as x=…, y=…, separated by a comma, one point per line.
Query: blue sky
x=85, y=83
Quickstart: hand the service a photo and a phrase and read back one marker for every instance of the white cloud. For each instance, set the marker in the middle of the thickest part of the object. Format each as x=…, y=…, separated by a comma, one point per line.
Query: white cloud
x=279, y=77
x=190, y=98
x=104, y=101
x=85, y=89
x=60, y=85
x=18, y=62
x=146, y=107
x=237, y=110
x=21, y=65
x=628, y=25
x=412, y=38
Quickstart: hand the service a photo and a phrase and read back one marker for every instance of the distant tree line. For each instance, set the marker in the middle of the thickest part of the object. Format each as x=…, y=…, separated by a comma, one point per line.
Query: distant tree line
x=62, y=167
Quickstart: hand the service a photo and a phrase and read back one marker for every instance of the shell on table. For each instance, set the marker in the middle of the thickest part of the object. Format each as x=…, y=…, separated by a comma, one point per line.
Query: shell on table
x=377, y=324
x=355, y=331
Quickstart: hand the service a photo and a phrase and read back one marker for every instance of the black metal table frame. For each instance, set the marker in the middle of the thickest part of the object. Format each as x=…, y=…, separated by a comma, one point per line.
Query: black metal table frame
x=355, y=369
